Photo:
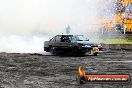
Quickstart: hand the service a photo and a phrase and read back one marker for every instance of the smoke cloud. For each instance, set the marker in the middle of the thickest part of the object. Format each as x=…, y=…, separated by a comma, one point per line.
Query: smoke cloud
x=20, y=44
x=26, y=24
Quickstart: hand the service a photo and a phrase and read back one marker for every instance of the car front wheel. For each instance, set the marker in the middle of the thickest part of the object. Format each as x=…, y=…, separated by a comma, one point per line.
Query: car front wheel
x=75, y=51
x=95, y=54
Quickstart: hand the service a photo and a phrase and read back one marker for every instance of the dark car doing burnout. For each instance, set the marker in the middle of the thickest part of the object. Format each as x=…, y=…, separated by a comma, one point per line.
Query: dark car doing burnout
x=72, y=44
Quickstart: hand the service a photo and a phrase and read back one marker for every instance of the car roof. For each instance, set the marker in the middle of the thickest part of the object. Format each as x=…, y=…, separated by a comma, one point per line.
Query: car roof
x=64, y=34
x=69, y=35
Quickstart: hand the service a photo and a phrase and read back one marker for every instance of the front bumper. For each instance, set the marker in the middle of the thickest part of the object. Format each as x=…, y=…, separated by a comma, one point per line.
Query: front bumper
x=93, y=49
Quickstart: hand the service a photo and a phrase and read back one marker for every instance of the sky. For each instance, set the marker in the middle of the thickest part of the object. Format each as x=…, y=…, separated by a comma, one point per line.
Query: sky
x=23, y=21
x=22, y=17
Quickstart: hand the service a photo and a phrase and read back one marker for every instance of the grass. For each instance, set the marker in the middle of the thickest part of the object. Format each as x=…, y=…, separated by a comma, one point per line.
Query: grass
x=116, y=41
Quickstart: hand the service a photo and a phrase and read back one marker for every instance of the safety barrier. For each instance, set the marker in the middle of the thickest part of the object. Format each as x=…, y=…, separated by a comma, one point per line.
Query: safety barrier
x=117, y=46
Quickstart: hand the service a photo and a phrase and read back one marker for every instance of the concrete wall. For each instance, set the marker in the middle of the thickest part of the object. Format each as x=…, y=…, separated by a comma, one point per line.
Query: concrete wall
x=117, y=46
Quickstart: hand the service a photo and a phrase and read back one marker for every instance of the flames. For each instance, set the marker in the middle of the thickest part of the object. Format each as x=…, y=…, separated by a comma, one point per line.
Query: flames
x=81, y=71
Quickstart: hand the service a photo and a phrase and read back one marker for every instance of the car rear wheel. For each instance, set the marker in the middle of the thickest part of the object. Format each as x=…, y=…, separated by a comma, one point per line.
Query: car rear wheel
x=52, y=50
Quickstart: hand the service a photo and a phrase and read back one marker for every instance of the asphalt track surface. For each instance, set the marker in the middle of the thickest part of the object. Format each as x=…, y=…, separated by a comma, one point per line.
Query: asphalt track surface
x=48, y=71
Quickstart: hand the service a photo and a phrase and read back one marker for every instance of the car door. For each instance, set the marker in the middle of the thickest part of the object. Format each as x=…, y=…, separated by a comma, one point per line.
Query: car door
x=65, y=43
x=52, y=41
x=56, y=41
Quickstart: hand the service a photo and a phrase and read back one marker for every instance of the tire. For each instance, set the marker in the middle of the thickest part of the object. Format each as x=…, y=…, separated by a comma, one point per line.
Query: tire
x=83, y=54
x=75, y=51
x=95, y=54
x=51, y=50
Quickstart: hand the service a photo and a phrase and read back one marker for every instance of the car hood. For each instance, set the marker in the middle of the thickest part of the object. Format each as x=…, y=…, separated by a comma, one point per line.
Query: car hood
x=86, y=42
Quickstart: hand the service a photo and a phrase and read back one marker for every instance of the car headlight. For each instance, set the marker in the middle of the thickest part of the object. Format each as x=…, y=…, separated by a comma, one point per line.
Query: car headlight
x=99, y=46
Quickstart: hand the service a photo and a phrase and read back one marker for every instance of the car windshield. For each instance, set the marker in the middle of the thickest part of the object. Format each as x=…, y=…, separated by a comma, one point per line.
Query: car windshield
x=78, y=38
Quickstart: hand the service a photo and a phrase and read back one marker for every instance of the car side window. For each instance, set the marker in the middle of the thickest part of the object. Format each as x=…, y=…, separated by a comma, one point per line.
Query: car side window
x=74, y=38
x=65, y=38
x=52, y=40
x=58, y=38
